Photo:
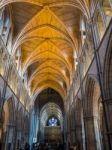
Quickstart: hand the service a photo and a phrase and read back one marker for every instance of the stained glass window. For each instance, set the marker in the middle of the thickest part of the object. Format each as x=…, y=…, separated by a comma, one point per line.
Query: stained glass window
x=52, y=122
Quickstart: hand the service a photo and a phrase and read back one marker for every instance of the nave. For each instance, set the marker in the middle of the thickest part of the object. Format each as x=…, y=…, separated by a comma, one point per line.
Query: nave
x=55, y=74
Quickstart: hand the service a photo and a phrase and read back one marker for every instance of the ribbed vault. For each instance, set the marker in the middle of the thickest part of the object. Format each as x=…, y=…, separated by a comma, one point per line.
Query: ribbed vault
x=49, y=110
x=48, y=39
x=46, y=96
x=83, y=5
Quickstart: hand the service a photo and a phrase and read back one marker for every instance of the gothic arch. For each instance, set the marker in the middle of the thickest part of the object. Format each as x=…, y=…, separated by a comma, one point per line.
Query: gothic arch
x=91, y=113
x=6, y=25
x=92, y=95
x=8, y=123
x=9, y=109
x=82, y=5
x=107, y=71
x=107, y=87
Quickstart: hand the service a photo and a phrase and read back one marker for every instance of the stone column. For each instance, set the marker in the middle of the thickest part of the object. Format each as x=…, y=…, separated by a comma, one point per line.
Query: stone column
x=78, y=130
x=68, y=131
x=65, y=130
x=18, y=138
x=92, y=133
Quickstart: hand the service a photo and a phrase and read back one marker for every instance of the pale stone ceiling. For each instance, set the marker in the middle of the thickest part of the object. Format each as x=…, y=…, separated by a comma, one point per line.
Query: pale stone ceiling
x=48, y=33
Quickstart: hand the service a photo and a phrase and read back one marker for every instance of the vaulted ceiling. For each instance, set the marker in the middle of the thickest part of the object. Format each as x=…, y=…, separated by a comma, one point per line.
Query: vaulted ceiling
x=48, y=34
x=49, y=103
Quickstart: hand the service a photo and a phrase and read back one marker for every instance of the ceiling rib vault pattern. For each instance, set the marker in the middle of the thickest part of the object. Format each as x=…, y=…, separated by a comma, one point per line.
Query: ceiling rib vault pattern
x=48, y=33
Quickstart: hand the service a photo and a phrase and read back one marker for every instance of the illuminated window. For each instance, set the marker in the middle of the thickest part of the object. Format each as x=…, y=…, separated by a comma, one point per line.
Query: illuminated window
x=52, y=122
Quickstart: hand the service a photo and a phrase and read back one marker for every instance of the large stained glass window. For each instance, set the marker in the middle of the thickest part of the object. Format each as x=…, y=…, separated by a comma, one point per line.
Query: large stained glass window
x=52, y=122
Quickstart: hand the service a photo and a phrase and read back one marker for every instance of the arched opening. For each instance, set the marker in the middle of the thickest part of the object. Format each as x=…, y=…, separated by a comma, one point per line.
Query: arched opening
x=107, y=87
x=51, y=123
x=48, y=118
x=107, y=71
x=93, y=115
x=8, y=125
x=83, y=30
x=5, y=25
